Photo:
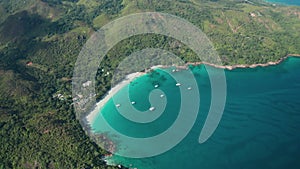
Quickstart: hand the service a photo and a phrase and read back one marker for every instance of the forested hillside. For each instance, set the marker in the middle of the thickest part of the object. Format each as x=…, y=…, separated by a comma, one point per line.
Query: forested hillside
x=41, y=39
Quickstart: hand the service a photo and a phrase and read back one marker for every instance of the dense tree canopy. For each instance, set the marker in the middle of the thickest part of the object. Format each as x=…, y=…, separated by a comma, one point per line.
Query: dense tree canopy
x=40, y=41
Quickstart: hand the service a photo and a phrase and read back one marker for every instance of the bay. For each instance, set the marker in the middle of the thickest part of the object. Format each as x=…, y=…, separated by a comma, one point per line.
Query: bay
x=259, y=128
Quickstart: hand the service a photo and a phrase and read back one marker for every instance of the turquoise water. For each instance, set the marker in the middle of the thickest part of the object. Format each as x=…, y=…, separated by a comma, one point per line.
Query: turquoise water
x=288, y=2
x=260, y=127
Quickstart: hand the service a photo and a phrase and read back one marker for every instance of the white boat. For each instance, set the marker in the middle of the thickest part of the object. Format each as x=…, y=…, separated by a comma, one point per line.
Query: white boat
x=162, y=95
x=189, y=88
x=175, y=70
x=132, y=102
x=156, y=86
x=152, y=108
x=178, y=84
x=118, y=105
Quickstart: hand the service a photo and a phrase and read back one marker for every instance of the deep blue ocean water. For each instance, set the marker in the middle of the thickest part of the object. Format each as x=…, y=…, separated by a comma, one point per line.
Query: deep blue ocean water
x=260, y=127
x=287, y=2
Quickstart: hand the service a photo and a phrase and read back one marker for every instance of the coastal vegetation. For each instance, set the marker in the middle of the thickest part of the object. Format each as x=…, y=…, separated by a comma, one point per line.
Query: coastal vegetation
x=41, y=39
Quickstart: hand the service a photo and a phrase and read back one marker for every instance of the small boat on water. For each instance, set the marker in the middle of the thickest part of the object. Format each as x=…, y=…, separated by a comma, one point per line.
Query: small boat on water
x=175, y=70
x=152, y=108
x=156, y=86
x=178, y=84
x=189, y=88
x=118, y=105
x=162, y=95
x=132, y=103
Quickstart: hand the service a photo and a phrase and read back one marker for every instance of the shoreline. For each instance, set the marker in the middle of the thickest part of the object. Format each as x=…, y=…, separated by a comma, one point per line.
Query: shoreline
x=232, y=67
x=129, y=78
x=92, y=115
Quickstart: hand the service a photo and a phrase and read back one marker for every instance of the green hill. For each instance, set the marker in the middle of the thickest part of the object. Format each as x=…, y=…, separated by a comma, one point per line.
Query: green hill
x=41, y=39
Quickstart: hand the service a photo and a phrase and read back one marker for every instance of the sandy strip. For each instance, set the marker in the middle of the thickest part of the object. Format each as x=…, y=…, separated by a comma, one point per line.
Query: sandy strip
x=129, y=78
x=93, y=114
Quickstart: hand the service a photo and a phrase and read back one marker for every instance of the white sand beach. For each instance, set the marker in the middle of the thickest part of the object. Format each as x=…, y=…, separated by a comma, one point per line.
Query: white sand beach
x=93, y=114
